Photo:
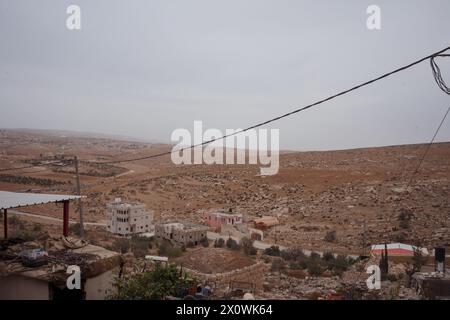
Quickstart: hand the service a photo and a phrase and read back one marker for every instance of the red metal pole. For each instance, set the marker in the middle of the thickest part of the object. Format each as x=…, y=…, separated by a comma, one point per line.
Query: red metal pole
x=66, y=218
x=5, y=223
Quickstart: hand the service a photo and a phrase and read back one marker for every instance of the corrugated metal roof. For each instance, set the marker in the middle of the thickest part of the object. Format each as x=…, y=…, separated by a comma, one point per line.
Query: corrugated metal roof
x=10, y=200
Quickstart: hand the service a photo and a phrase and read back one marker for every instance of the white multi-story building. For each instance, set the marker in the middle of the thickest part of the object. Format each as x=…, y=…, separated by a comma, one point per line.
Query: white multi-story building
x=128, y=218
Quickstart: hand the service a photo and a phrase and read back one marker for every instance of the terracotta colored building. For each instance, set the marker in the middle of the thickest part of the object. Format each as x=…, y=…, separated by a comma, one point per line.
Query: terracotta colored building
x=218, y=218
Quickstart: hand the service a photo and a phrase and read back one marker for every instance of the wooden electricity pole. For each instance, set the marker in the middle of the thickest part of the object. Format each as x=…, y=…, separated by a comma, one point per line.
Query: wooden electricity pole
x=80, y=203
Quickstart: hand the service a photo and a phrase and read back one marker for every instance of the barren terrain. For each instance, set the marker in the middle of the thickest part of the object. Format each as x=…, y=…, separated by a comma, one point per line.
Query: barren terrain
x=314, y=193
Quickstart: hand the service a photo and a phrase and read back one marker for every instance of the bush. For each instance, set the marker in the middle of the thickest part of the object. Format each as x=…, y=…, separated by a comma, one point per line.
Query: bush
x=219, y=243
x=292, y=254
x=404, y=217
x=295, y=265
x=121, y=245
x=328, y=256
x=140, y=246
x=167, y=250
x=272, y=251
x=247, y=246
x=204, y=242
x=175, y=252
x=314, y=256
x=330, y=236
x=232, y=244
x=315, y=268
x=156, y=284
x=339, y=265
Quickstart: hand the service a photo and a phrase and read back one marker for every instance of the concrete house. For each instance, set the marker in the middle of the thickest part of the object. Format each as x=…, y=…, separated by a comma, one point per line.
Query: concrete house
x=181, y=233
x=48, y=282
x=128, y=218
x=217, y=219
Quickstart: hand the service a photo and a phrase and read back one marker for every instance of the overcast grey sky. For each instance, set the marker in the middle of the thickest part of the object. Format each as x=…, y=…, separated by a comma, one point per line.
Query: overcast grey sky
x=145, y=68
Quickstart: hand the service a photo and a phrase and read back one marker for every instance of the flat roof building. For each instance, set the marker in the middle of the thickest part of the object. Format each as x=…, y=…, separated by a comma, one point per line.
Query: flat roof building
x=181, y=233
x=217, y=219
x=125, y=218
x=48, y=280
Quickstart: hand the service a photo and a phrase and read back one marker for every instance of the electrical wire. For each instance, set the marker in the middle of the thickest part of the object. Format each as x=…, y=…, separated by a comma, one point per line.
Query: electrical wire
x=443, y=86
x=431, y=56
x=436, y=72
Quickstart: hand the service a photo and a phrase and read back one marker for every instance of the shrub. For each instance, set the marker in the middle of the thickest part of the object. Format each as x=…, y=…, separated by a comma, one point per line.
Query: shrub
x=292, y=254
x=330, y=236
x=339, y=265
x=272, y=251
x=404, y=217
x=219, y=243
x=121, y=245
x=232, y=244
x=175, y=252
x=314, y=256
x=247, y=246
x=166, y=249
x=139, y=246
x=156, y=284
x=295, y=265
x=315, y=268
x=204, y=242
x=328, y=256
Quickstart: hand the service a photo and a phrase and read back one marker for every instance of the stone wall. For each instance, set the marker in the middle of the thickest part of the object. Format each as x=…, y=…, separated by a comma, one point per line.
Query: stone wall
x=253, y=273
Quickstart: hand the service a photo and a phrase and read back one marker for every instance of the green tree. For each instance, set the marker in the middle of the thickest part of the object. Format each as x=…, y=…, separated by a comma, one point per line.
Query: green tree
x=153, y=285
x=247, y=246
x=121, y=245
x=232, y=244
x=272, y=251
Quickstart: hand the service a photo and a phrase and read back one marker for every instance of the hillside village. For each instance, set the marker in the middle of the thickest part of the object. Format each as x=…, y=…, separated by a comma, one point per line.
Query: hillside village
x=309, y=232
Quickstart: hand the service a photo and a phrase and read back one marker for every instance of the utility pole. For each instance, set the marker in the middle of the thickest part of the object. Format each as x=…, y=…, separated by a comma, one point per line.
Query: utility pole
x=80, y=203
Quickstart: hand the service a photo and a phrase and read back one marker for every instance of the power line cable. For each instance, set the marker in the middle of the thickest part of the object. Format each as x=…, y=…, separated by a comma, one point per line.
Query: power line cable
x=289, y=113
x=443, y=86
x=431, y=56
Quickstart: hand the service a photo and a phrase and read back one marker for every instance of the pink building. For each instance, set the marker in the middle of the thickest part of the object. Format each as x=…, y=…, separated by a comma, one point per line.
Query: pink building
x=216, y=219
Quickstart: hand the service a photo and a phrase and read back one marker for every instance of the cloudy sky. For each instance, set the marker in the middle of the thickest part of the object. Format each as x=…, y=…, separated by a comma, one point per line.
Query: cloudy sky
x=144, y=68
